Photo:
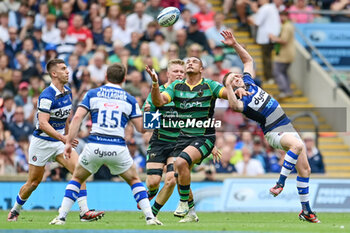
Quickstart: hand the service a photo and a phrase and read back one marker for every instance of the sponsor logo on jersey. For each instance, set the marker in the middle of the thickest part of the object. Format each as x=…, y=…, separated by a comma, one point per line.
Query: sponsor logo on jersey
x=186, y=105
x=111, y=105
x=62, y=113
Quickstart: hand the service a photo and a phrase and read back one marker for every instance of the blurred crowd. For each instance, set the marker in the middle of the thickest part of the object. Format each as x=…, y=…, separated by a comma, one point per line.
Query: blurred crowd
x=90, y=34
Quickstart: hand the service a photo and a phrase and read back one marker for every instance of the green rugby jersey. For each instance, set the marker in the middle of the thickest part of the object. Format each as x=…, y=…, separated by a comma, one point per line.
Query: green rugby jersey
x=168, y=111
x=195, y=105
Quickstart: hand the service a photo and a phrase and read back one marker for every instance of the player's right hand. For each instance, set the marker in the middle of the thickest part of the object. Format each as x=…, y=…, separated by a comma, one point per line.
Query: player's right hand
x=147, y=107
x=152, y=73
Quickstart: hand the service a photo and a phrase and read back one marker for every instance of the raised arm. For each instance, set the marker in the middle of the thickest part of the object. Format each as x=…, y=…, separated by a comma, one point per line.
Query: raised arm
x=235, y=104
x=158, y=99
x=247, y=60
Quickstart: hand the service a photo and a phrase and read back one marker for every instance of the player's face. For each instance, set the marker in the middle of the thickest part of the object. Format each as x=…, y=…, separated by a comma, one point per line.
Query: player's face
x=237, y=80
x=176, y=72
x=61, y=72
x=193, y=66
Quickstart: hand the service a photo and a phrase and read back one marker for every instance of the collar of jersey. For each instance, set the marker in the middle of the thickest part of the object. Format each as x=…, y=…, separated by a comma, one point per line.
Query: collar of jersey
x=114, y=85
x=56, y=89
x=193, y=86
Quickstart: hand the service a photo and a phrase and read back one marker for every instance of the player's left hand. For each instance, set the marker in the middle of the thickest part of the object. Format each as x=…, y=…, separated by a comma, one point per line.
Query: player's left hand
x=147, y=107
x=216, y=154
x=152, y=73
x=67, y=151
x=230, y=40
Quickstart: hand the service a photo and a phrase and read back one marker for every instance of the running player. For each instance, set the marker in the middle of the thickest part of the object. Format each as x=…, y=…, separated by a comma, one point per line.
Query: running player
x=277, y=127
x=194, y=99
x=47, y=144
x=111, y=108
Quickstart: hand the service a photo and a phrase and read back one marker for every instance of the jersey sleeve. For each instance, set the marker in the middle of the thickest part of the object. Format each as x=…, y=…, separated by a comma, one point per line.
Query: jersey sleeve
x=85, y=103
x=247, y=78
x=216, y=88
x=135, y=109
x=45, y=101
x=170, y=91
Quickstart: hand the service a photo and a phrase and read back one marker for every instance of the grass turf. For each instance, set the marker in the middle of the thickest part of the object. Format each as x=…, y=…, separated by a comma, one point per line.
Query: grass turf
x=243, y=222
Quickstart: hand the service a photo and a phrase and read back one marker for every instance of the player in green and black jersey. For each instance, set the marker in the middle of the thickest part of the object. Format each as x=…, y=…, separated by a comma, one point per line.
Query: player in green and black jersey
x=162, y=143
x=194, y=99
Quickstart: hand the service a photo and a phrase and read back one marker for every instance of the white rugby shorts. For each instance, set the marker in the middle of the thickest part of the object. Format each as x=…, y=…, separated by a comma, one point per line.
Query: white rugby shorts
x=116, y=158
x=42, y=151
x=274, y=137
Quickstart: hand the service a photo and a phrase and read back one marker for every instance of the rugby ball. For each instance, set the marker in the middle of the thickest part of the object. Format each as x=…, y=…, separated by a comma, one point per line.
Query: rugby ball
x=168, y=16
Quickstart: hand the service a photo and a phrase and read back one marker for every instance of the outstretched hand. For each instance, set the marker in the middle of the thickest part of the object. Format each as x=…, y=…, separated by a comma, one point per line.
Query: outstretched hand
x=152, y=73
x=230, y=40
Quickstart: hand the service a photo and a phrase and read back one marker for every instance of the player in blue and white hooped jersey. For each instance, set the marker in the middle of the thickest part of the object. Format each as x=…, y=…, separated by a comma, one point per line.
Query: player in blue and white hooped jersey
x=47, y=143
x=111, y=108
x=277, y=128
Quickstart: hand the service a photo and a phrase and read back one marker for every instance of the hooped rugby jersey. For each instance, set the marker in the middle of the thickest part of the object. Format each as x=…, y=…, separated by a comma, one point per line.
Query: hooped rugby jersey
x=111, y=108
x=261, y=107
x=58, y=105
x=194, y=103
x=168, y=111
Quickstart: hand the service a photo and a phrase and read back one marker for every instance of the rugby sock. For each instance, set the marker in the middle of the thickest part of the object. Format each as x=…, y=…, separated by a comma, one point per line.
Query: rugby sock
x=288, y=165
x=70, y=196
x=190, y=204
x=303, y=190
x=18, y=204
x=152, y=193
x=141, y=197
x=156, y=208
x=82, y=201
x=184, y=191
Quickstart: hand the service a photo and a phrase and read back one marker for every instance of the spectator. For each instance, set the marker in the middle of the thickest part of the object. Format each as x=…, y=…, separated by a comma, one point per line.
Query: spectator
x=40, y=18
x=339, y=5
x=107, y=40
x=184, y=21
x=66, y=43
x=182, y=42
x=172, y=53
x=55, y=7
x=97, y=30
x=302, y=17
x=27, y=68
x=213, y=33
x=154, y=8
x=50, y=33
x=39, y=44
x=81, y=33
x=139, y=160
x=205, y=16
x=13, y=45
x=9, y=157
x=150, y=32
x=249, y=166
x=112, y=18
x=67, y=14
x=9, y=108
x=192, y=6
x=138, y=20
x=36, y=86
x=314, y=156
x=28, y=51
x=119, y=52
x=9, y=5
x=74, y=71
x=134, y=45
x=259, y=152
x=145, y=53
x=79, y=51
x=28, y=28
x=159, y=46
x=224, y=165
x=5, y=72
x=268, y=22
x=4, y=34
x=17, y=18
x=23, y=99
x=197, y=36
x=121, y=32
x=19, y=126
x=98, y=68
x=284, y=55
x=13, y=85
x=93, y=13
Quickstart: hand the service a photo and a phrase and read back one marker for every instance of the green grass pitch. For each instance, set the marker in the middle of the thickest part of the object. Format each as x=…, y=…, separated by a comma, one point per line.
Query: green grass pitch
x=233, y=222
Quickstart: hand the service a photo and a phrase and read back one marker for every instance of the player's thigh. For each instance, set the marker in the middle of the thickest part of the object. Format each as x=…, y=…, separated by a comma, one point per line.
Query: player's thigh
x=93, y=156
x=291, y=140
x=80, y=174
x=200, y=148
x=42, y=151
x=68, y=163
x=154, y=173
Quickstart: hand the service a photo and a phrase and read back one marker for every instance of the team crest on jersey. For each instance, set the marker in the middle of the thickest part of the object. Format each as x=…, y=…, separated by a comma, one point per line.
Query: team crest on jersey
x=200, y=93
x=34, y=158
x=152, y=155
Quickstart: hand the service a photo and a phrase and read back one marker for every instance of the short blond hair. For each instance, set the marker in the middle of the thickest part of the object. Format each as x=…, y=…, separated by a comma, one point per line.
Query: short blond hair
x=175, y=62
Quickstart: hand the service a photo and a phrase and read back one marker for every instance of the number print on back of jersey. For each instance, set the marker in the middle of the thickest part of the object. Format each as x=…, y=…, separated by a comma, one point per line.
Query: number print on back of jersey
x=258, y=99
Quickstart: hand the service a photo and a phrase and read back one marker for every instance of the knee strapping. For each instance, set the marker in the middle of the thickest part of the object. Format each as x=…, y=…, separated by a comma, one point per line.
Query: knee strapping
x=170, y=167
x=158, y=172
x=186, y=157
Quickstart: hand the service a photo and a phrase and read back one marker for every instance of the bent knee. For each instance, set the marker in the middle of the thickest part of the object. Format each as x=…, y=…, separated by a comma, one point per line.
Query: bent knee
x=33, y=184
x=170, y=181
x=297, y=147
x=152, y=184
